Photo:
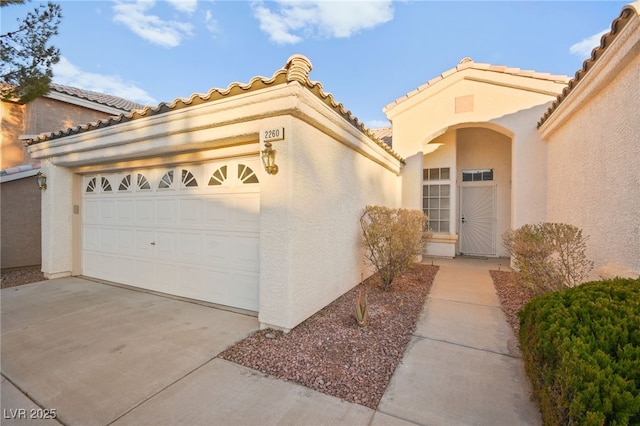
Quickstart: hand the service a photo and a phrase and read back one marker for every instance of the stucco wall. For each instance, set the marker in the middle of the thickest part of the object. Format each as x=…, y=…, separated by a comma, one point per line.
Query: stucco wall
x=328, y=186
x=20, y=233
x=507, y=104
x=594, y=157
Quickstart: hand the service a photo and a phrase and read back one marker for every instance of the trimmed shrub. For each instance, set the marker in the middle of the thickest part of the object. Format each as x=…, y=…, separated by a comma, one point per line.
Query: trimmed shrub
x=581, y=349
x=548, y=256
x=392, y=239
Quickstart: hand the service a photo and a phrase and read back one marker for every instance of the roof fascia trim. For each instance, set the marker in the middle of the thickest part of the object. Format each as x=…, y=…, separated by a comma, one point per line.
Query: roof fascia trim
x=617, y=26
x=610, y=62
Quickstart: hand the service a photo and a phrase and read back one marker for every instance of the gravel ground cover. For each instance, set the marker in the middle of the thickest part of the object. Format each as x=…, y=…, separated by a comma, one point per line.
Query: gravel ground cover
x=512, y=297
x=20, y=276
x=331, y=354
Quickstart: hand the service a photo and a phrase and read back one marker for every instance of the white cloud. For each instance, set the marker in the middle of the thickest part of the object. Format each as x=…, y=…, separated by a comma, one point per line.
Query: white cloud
x=150, y=27
x=211, y=22
x=64, y=72
x=188, y=6
x=377, y=124
x=290, y=21
x=584, y=47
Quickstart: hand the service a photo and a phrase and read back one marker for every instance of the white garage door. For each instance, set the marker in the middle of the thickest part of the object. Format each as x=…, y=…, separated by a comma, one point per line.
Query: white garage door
x=191, y=231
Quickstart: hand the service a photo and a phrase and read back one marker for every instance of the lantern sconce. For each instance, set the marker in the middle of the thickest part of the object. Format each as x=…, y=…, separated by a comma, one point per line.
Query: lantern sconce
x=268, y=155
x=41, y=180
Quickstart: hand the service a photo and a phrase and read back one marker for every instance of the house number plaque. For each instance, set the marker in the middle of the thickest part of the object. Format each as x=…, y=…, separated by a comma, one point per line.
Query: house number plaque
x=274, y=134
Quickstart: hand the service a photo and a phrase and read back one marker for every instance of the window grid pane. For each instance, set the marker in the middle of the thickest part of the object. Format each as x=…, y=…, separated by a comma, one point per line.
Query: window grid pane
x=435, y=204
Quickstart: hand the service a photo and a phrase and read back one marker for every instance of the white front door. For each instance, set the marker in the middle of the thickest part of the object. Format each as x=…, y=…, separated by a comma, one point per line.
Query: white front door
x=478, y=220
x=191, y=230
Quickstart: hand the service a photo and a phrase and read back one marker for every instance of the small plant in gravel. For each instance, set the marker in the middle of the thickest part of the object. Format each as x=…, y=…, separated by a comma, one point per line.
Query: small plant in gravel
x=548, y=256
x=392, y=239
x=362, y=308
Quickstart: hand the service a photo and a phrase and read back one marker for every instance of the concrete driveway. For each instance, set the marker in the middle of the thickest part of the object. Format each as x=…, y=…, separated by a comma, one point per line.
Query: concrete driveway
x=94, y=352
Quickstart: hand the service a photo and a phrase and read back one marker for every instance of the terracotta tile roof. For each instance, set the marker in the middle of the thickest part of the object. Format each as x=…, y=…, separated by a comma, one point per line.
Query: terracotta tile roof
x=468, y=63
x=297, y=69
x=616, y=27
x=19, y=169
x=112, y=101
x=385, y=134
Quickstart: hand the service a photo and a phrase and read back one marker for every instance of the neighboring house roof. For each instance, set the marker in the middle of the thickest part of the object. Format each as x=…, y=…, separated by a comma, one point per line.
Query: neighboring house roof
x=19, y=172
x=385, y=134
x=297, y=69
x=468, y=63
x=115, y=104
x=616, y=27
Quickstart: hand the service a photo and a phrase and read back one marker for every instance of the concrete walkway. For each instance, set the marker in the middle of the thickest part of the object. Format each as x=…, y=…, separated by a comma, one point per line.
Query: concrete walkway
x=462, y=366
x=102, y=355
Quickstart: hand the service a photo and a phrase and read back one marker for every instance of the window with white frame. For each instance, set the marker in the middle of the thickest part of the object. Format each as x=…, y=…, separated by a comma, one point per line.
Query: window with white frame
x=436, y=198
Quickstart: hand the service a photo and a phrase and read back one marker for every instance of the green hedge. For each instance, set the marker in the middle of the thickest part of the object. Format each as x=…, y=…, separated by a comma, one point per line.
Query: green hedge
x=581, y=349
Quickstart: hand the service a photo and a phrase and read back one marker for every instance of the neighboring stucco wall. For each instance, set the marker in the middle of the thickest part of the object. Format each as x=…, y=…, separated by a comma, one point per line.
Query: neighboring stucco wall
x=20, y=233
x=49, y=115
x=594, y=157
x=14, y=153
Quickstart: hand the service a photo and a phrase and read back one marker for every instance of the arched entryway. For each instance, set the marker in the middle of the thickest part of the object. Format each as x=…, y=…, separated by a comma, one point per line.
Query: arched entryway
x=466, y=189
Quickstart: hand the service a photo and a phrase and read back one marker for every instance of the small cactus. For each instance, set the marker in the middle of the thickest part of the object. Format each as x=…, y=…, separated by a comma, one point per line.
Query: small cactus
x=362, y=309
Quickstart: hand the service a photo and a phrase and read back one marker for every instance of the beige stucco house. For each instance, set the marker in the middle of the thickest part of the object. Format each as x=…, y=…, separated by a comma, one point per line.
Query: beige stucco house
x=176, y=199
x=62, y=107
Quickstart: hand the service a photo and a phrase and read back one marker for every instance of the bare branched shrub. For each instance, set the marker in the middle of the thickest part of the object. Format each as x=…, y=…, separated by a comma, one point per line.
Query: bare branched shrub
x=392, y=239
x=548, y=256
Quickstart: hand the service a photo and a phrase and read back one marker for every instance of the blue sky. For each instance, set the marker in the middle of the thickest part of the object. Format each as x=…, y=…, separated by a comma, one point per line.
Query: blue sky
x=366, y=53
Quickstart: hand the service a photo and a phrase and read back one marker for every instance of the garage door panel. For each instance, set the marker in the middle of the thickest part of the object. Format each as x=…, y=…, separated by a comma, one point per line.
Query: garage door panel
x=191, y=212
x=200, y=242
x=91, y=237
x=125, y=241
x=107, y=211
x=247, y=212
x=144, y=210
x=167, y=277
x=190, y=247
x=145, y=240
x=107, y=266
x=90, y=263
x=167, y=245
x=91, y=211
x=216, y=249
x=217, y=211
x=247, y=252
x=144, y=273
x=243, y=289
x=125, y=210
x=166, y=212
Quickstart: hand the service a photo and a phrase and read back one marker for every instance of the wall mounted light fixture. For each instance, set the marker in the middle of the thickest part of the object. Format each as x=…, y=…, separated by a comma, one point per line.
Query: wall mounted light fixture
x=268, y=155
x=41, y=180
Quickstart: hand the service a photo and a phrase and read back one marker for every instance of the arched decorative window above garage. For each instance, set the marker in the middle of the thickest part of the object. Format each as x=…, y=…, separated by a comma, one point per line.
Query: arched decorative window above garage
x=143, y=183
x=246, y=174
x=219, y=176
x=125, y=183
x=188, y=179
x=106, y=186
x=166, y=181
x=91, y=186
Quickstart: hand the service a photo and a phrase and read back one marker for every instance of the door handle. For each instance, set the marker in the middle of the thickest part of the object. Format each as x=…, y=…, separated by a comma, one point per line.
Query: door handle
x=153, y=243
x=463, y=220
